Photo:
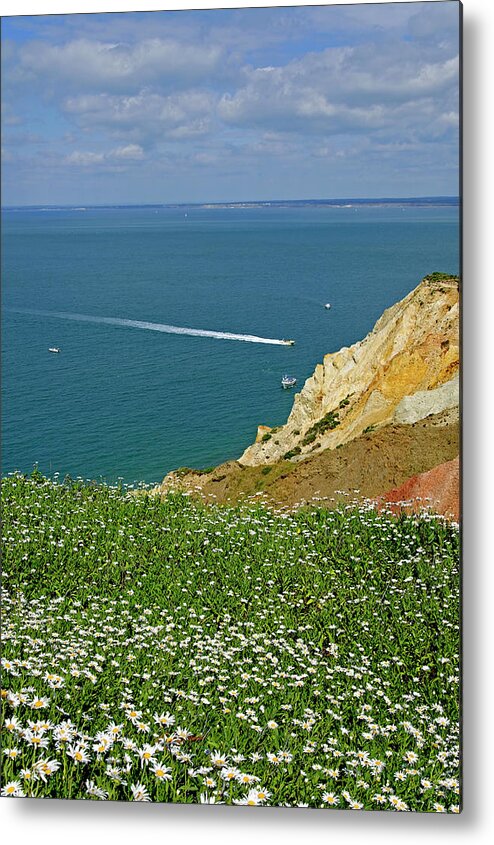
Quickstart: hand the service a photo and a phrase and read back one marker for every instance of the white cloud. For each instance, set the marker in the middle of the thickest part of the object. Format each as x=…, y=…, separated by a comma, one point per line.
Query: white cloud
x=343, y=89
x=84, y=159
x=132, y=152
x=120, y=155
x=92, y=65
x=145, y=116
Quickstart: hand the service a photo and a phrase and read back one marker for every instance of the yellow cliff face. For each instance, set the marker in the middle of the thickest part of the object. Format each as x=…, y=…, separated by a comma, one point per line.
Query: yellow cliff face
x=408, y=363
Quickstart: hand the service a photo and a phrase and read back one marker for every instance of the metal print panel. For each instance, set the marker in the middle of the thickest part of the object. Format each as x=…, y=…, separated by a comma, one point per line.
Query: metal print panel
x=231, y=363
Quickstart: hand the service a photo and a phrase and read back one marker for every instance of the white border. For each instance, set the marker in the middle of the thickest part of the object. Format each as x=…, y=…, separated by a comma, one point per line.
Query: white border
x=77, y=822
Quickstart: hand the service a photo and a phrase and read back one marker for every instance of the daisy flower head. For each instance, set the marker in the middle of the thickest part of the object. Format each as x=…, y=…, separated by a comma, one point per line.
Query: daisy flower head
x=161, y=772
x=95, y=791
x=262, y=794
x=250, y=800
x=45, y=768
x=245, y=778
x=229, y=773
x=63, y=733
x=13, y=789
x=218, y=759
x=39, y=702
x=397, y=803
x=114, y=773
x=35, y=739
x=146, y=754
x=12, y=753
x=139, y=792
x=164, y=719
x=330, y=798
x=103, y=743
x=134, y=715
x=78, y=753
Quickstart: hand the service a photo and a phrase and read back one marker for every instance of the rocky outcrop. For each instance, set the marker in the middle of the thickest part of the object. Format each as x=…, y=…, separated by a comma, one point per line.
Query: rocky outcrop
x=404, y=370
x=425, y=402
x=437, y=490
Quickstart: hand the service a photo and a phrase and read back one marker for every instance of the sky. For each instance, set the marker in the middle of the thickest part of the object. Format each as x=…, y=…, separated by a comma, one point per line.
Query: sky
x=231, y=104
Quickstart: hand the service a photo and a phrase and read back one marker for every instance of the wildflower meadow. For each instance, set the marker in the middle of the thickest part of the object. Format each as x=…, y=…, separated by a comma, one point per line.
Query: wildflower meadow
x=172, y=651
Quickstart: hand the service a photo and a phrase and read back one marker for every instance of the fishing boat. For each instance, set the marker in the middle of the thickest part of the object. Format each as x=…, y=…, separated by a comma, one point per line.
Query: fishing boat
x=54, y=349
x=288, y=381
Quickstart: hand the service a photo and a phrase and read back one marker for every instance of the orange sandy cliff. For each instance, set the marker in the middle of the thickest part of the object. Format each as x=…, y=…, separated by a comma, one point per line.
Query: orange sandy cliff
x=439, y=489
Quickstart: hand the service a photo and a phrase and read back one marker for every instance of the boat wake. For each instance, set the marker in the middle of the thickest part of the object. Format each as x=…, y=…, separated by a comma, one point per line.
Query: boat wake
x=155, y=327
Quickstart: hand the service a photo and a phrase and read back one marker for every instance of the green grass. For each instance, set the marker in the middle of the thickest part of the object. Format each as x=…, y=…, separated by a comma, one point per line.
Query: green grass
x=196, y=653
x=441, y=277
x=327, y=423
x=291, y=453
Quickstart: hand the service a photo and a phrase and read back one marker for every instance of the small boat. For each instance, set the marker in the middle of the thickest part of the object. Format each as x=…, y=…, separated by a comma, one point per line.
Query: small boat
x=288, y=381
x=54, y=349
x=328, y=305
x=289, y=342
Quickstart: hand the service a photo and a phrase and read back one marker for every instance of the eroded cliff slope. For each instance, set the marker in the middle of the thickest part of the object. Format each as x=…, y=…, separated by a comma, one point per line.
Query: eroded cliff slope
x=403, y=371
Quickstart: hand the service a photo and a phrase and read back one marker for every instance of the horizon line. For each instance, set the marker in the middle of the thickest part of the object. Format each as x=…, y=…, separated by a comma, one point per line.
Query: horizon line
x=199, y=204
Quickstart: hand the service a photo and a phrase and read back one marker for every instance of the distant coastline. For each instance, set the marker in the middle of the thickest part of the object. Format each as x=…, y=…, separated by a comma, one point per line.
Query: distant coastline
x=343, y=202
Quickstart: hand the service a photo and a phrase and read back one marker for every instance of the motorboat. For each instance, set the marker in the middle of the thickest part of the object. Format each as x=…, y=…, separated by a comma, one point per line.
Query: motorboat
x=289, y=342
x=54, y=349
x=327, y=305
x=288, y=381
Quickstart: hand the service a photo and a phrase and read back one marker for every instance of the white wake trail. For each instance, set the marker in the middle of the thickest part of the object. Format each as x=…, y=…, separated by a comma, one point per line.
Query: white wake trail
x=154, y=327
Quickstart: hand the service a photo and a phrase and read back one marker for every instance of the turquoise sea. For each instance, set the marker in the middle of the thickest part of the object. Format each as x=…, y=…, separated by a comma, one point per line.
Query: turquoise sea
x=132, y=403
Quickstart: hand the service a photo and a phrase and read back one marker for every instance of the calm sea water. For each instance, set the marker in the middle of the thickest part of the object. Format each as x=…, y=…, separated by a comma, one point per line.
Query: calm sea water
x=124, y=402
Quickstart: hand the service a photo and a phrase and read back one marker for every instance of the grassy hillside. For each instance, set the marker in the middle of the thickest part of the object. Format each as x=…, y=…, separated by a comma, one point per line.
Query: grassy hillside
x=174, y=651
x=371, y=464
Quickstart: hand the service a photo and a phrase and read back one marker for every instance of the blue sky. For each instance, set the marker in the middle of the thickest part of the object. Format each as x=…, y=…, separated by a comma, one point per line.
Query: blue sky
x=232, y=104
